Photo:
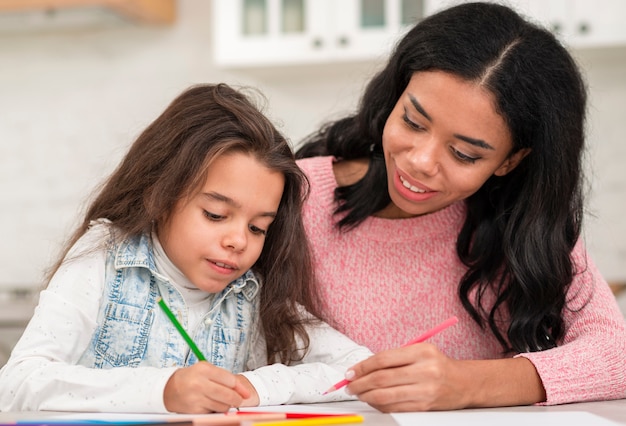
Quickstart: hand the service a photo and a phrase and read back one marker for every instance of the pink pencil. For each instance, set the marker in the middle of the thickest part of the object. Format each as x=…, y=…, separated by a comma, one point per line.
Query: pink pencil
x=430, y=333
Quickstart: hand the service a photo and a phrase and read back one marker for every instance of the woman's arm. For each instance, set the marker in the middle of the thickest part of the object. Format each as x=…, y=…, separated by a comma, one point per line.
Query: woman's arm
x=588, y=364
x=420, y=378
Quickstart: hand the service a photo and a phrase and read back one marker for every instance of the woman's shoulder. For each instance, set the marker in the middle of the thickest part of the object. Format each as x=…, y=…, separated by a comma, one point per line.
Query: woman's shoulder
x=330, y=171
x=314, y=166
x=319, y=171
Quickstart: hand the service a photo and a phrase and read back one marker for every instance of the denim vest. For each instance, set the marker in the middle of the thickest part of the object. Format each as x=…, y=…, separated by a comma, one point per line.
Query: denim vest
x=133, y=331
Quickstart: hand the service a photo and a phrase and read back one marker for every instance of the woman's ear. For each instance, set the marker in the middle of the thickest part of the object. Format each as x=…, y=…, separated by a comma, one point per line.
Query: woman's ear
x=512, y=162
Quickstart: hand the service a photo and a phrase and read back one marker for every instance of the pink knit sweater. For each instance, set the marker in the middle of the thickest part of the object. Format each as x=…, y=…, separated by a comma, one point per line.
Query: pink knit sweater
x=387, y=281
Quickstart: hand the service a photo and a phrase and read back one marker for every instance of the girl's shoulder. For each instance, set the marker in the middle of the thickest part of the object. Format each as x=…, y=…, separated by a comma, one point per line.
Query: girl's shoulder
x=100, y=234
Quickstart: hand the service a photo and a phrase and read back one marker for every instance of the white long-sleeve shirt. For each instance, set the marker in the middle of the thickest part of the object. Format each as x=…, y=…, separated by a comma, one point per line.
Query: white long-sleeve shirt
x=42, y=374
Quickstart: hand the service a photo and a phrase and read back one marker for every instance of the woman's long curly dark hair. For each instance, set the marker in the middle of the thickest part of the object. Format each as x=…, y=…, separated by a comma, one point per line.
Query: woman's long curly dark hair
x=520, y=228
x=169, y=161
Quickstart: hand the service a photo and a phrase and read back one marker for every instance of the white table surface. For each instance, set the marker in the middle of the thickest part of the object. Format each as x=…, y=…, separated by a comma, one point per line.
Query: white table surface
x=588, y=414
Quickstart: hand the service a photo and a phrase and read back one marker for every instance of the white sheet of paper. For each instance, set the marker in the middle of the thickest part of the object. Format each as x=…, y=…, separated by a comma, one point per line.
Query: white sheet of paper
x=501, y=418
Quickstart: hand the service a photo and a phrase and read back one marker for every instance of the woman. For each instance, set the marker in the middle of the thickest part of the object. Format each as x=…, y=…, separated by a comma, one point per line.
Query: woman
x=456, y=189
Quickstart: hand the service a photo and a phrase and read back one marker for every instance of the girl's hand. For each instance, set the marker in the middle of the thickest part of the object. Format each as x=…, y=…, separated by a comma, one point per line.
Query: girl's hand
x=412, y=378
x=420, y=378
x=204, y=388
x=253, y=399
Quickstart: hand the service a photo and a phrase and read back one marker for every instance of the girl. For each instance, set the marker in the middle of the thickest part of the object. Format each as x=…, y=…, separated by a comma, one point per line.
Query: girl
x=204, y=212
x=456, y=189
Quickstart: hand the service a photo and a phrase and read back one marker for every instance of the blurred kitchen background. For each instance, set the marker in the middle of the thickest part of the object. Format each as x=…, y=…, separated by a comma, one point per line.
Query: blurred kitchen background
x=79, y=79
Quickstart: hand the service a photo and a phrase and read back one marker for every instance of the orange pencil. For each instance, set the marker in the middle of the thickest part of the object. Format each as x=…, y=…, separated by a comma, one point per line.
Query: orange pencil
x=430, y=333
x=314, y=421
x=237, y=419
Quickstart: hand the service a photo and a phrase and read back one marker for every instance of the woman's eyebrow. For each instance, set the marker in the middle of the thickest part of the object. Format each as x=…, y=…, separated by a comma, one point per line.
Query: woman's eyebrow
x=476, y=142
x=419, y=107
x=473, y=141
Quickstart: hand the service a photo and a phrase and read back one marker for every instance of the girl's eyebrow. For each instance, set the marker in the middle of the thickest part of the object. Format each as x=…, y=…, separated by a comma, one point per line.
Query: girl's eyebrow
x=472, y=141
x=224, y=199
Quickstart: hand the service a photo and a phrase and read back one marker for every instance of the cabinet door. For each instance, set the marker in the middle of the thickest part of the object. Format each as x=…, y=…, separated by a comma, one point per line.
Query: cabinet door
x=580, y=23
x=269, y=32
x=369, y=29
x=280, y=32
x=597, y=23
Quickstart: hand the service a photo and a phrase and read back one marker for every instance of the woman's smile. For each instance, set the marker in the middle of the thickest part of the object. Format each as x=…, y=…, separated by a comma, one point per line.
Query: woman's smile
x=442, y=141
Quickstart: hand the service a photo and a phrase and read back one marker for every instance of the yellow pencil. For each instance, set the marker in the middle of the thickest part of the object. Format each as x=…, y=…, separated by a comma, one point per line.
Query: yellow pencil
x=313, y=421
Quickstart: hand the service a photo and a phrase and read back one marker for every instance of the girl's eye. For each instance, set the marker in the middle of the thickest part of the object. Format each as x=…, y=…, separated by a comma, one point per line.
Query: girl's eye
x=413, y=125
x=464, y=158
x=212, y=216
x=257, y=230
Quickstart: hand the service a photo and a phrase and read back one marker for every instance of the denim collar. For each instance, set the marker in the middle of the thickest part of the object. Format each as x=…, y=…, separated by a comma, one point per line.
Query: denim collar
x=136, y=252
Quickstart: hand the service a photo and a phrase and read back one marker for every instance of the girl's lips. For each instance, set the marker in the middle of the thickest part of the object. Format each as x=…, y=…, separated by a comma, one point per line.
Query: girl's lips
x=222, y=267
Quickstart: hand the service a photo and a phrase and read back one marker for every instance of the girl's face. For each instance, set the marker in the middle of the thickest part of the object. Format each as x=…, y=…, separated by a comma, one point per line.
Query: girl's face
x=441, y=142
x=215, y=236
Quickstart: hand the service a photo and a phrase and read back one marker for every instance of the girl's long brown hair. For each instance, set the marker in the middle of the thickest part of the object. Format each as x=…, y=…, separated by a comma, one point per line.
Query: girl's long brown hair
x=169, y=161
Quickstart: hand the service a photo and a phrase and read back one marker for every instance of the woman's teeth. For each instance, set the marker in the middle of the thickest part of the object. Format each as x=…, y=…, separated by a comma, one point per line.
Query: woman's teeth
x=411, y=187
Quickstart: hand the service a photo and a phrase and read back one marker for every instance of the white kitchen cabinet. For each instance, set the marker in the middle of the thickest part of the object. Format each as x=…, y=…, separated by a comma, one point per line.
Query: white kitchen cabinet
x=281, y=32
x=580, y=23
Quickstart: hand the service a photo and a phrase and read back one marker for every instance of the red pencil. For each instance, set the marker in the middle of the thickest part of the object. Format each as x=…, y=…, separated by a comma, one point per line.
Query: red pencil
x=430, y=333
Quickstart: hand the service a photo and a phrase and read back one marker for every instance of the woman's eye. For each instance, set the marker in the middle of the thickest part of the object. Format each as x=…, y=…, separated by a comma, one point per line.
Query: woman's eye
x=465, y=158
x=212, y=216
x=257, y=230
x=411, y=124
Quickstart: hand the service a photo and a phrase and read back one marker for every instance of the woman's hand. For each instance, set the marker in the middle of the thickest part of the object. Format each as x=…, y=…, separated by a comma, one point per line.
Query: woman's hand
x=204, y=388
x=421, y=378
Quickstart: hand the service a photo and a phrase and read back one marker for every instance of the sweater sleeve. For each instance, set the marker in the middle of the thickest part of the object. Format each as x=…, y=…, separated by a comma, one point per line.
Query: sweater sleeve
x=325, y=362
x=42, y=372
x=590, y=363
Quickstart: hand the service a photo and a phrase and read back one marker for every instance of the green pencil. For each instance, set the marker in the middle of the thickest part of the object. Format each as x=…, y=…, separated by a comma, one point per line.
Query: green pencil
x=181, y=330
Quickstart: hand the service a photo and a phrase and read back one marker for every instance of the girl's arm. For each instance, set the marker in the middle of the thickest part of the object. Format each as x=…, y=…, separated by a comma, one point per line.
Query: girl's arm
x=329, y=355
x=42, y=373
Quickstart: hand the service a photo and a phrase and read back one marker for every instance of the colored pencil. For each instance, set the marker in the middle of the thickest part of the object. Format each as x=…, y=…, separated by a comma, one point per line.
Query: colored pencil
x=325, y=420
x=181, y=330
x=430, y=333
x=297, y=415
x=236, y=419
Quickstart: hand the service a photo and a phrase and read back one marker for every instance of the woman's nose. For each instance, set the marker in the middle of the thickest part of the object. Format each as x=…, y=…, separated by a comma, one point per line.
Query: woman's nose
x=425, y=157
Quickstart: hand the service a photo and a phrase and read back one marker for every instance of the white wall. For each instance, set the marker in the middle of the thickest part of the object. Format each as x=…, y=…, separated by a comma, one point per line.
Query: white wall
x=605, y=70
x=72, y=99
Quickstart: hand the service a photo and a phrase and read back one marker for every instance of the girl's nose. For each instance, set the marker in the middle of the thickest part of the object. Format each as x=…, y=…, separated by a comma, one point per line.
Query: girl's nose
x=235, y=239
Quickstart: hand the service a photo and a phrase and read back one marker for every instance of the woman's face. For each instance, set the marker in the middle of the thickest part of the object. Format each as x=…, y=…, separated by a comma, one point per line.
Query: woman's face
x=215, y=236
x=441, y=142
